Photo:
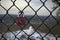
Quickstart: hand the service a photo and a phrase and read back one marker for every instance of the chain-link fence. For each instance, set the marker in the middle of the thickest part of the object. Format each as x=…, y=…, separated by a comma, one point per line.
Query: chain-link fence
x=41, y=26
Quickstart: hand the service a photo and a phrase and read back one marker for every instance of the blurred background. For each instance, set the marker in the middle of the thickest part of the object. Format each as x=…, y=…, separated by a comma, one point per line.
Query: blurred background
x=41, y=17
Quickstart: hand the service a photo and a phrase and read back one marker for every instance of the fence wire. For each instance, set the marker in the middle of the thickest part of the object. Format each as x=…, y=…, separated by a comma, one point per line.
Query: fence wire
x=6, y=28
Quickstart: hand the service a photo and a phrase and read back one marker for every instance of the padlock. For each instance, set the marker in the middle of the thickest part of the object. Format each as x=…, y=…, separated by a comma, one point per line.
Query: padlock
x=21, y=20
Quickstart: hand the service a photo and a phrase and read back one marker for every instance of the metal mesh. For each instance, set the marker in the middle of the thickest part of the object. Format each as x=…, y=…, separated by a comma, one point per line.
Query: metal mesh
x=48, y=25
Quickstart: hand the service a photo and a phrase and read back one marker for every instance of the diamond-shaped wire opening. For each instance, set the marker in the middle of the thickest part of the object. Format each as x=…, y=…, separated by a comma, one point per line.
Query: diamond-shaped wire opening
x=56, y=13
x=56, y=29
x=9, y=36
x=28, y=11
x=35, y=21
x=43, y=13
x=8, y=20
x=50, y=22
x=43, y=29
x=7, y=3
x=21, y=4
x=14, y=27
x=50, y=5
x=13, y=11
x=35, y=4
x=3, y=28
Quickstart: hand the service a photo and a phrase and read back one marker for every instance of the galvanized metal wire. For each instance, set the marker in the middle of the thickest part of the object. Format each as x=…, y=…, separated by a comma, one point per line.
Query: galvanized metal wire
x=28, y=20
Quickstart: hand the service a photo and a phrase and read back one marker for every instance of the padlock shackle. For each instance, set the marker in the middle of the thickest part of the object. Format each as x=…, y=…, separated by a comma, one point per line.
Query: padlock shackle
x=20, y=14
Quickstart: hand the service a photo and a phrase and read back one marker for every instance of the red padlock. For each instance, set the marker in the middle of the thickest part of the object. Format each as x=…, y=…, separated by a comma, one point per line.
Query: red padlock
x=21, y=21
